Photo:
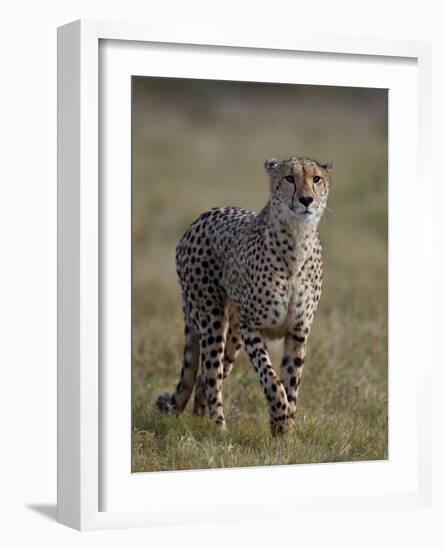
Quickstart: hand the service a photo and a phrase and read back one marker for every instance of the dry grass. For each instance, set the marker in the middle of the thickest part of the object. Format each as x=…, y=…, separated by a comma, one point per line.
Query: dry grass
x=198, y=145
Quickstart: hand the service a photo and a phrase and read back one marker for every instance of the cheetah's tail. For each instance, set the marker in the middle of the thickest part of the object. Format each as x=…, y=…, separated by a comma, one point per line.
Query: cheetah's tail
x=191, y=359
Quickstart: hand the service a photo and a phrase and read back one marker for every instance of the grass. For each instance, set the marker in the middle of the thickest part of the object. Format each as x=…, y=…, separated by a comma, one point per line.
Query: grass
x=202, y=144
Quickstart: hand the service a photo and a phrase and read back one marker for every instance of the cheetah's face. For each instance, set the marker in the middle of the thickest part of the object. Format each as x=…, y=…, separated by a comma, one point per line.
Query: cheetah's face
x=299, y=188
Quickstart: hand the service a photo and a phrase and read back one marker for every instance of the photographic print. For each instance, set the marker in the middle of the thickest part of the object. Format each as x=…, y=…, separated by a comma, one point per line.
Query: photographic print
x=259, y=274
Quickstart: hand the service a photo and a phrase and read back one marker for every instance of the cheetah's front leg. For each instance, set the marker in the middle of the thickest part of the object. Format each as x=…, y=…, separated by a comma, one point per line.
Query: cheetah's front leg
x=281, y=417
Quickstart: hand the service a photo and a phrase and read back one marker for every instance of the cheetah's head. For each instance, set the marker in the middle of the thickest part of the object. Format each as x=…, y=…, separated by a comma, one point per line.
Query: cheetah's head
x=299, y=188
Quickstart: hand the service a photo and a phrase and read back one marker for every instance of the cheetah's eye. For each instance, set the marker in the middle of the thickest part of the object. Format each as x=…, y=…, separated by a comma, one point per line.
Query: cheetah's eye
x=316, y=179
x=290, y=179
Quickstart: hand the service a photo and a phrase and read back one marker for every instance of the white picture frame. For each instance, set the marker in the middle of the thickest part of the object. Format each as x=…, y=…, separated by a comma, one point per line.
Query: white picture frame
x=83, y=416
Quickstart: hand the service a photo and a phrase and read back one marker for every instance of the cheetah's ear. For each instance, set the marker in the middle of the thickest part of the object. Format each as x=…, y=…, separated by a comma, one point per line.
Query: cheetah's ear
x=327, y=166
x=271, y=164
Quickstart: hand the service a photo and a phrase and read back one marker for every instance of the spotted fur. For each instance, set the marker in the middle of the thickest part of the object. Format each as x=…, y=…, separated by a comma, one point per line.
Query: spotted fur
x=247, y=277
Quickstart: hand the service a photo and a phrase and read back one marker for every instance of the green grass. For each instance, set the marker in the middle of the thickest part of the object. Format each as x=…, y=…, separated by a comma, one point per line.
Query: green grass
x=198, y=145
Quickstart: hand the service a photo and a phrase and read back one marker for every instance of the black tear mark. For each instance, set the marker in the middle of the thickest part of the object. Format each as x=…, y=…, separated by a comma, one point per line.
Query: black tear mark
x=293, y=195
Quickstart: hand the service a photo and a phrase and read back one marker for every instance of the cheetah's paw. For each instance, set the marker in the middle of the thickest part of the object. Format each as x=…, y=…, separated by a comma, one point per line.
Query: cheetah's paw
x=281, y=426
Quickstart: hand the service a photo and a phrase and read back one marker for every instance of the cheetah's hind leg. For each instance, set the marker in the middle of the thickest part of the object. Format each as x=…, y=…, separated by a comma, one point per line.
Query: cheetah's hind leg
x=178, y=400
x=232, y=348
x=200, y=408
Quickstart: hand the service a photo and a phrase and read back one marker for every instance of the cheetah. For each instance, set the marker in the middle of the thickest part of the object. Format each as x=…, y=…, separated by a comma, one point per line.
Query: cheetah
x=247, y=277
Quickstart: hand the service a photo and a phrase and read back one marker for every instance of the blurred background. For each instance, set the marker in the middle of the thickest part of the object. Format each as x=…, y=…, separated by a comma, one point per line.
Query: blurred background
x=197, y=144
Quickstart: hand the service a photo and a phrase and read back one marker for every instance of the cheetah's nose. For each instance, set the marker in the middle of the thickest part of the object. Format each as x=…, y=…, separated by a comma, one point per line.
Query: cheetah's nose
x=306, y=201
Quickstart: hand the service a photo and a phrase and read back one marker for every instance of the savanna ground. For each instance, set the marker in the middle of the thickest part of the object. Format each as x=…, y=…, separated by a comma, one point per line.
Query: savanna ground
x=200, y=144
